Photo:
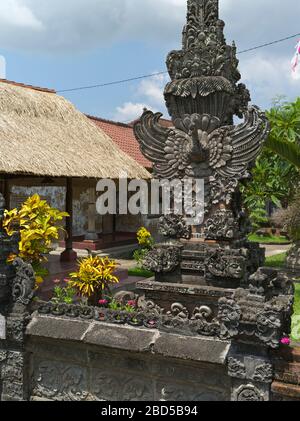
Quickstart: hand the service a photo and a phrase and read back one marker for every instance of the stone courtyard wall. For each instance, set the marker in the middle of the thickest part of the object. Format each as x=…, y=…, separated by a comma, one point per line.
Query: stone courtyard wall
x=70, y=360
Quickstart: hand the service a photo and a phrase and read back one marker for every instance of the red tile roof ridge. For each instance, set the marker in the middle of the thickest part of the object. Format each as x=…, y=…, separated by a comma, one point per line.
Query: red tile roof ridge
x=104, y=120
x=23, y=85
x=132, y=123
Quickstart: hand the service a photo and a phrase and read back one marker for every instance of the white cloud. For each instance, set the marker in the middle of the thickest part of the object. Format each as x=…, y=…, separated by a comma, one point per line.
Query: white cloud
x=268, y=76
x=13, y=13
x=2, y=68
x=87, y=24
x=72, y=26
x=129, y=111
x=152, y=89
x=149, y=94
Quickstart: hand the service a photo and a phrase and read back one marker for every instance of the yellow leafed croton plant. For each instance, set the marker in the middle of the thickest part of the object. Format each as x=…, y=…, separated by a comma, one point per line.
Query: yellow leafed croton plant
x=144, y=237
x=38, y=224
x=94, y=275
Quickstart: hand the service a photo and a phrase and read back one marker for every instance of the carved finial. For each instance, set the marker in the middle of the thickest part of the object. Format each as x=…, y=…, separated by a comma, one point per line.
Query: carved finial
x=204, y=11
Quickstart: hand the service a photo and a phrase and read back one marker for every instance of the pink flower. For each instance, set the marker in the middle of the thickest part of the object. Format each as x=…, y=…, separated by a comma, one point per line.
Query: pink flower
x=285, y=341
x=66, y=280
x=131, y=303
x=56, y=281
x=103, y=302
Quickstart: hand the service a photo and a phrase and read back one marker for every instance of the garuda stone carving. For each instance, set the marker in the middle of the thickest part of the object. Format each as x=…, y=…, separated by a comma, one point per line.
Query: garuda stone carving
x=202, y=98
x=223, y=151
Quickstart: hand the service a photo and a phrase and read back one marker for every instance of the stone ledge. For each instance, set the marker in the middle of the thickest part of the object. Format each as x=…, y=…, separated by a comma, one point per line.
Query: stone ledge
x=129, y=338
x=57, y=328
x=192, y=348
x=151, y=285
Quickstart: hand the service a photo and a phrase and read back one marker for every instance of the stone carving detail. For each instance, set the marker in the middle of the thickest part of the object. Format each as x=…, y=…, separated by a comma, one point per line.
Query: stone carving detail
x=266, y=317
x=227, y=264
x=222, y=226
x=176, y=152
x=236, y=368
x=248, y=392
x=293, y=256
x=59, y=381
x=163, y=258
x=203, y=143
x=251, y=367
x=174, y=393
x=229, y=316
x=23, y=283
x=174, y=226
x=264, y=373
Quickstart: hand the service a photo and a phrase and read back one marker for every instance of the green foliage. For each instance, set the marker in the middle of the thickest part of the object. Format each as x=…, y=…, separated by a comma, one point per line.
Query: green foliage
x=63, y=295
x=297, y=300
x=129, y=307
x=146, y=243
x=140, y=272
x=277, y=261
x=275, y=177
x=271, y=239
x=295, y=322
x=139, y=255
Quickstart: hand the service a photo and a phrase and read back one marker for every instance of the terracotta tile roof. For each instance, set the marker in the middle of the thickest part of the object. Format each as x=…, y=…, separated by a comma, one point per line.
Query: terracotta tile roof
x=164, y=122
x=124, y=137
x=23, y=85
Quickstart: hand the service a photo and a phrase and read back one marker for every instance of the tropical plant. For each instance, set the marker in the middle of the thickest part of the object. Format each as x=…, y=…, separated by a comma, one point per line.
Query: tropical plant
x=146, y=243
x=275, y=177
x=38, y=224
x=95, y=274
x=129, y=307
x=63, y=295
x=285, y=134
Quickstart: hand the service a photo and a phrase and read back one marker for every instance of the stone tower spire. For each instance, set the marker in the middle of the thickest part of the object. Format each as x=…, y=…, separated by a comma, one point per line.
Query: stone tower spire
x=205, y=72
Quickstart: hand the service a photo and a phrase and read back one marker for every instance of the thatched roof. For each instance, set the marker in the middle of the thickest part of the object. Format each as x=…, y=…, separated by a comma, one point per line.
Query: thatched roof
x=43, y=134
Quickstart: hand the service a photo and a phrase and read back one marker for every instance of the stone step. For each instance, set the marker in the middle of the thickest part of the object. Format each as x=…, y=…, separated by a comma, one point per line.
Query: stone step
x=286, y=391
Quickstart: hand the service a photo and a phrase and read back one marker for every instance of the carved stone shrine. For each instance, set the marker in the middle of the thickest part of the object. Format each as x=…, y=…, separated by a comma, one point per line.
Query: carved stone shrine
x=209, y=278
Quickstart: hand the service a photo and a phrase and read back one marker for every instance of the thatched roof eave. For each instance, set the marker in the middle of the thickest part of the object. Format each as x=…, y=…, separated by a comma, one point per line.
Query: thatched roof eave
x=42, y=134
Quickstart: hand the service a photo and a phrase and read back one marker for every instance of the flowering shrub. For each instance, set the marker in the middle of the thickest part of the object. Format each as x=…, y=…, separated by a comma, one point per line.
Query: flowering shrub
x=95, y=274
x=285, y=341
x=145, y=238
x=38, y=225
x=113, y=304
x=146, y=243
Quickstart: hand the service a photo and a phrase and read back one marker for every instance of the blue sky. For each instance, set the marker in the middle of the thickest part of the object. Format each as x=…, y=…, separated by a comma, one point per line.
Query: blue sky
x=74, y=43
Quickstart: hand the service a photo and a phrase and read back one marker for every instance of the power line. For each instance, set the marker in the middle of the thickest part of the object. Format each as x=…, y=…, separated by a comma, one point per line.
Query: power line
x=269, y=43
x=118, y=82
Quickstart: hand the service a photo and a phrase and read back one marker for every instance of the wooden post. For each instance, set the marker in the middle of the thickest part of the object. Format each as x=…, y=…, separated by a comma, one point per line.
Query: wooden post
x=69, y=254
x=91, y=233
x=6, y=192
